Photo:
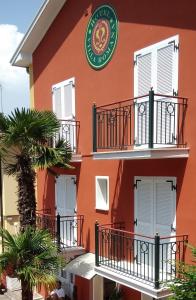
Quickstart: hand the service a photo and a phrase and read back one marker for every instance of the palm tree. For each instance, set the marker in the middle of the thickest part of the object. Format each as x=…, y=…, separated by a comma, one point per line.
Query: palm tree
x=24, y=146
x=32, y=257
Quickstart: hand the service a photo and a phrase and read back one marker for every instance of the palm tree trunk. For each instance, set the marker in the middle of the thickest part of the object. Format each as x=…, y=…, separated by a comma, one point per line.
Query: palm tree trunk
x=26, y=193
x=27, y=293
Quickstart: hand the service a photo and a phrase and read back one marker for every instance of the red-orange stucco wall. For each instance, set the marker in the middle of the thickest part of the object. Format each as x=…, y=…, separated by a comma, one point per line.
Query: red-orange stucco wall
x=61, y=56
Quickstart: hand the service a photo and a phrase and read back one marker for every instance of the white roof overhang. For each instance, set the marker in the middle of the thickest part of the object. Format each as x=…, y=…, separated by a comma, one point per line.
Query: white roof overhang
x=40, y=25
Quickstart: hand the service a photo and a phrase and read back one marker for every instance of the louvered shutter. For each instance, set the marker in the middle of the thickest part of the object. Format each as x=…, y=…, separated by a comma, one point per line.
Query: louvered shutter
x=144, y=206
x=165, y=221
x=155, y=205
x=70, y=195
x=165, y=206
x=165, y=70
x=143, y=217
x=66, y=204
x=64, y=108
x=64, y=100
x=68, y=100
x=156, y=67
x=144, y=74
x=155, y=210
x=70, y=227
x=142, y=86
x=166, y=84
x=57, y=102
x=60, y=195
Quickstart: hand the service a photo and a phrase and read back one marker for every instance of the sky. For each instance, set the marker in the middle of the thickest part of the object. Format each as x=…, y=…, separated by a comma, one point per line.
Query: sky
x=15, y=18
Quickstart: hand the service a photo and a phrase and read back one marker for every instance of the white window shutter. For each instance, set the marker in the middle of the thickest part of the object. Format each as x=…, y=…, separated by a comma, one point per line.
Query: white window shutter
x=57, y=102
x=166, y=84
x=165, y=221
x=64, y=99
x=60, y=195
x=143, y=74
x=156, y=67
x=144, y=207
x=165, y=70
x=142, y=86
x=66, y=203
x=165, y=207
x=155, y=205
x=68, y=108
x=70, y=195
x=64, y=108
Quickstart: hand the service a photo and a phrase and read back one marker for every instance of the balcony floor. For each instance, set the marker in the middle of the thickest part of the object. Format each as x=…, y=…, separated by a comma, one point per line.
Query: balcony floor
x=76, y=157
x=156, y=153
x=132, y=281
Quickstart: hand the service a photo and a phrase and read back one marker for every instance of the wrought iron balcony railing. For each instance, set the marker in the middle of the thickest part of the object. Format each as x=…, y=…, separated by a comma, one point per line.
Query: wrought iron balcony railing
x=69, y=131
x=151, y=259
x=67, y=231
x=148, y=121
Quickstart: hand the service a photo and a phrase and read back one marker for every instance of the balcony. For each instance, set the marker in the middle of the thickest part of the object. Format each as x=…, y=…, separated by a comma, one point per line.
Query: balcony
x=140, y=262
x=66, y=231
x=69, y=131
x=150, y=126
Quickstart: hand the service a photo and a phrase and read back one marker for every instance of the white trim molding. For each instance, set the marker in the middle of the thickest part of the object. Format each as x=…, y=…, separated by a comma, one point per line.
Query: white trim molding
x=102, y=196
x=134, y=283
x=156, y=153
x=37, y=30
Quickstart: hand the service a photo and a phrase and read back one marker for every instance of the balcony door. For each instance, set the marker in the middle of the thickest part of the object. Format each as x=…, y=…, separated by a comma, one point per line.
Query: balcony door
x=155, y=212
x=64, y=108
x=65, y=190
x=156, y=67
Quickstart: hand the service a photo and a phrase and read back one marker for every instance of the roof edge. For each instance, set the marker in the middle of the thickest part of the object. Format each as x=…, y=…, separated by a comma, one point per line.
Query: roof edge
x=22, y=56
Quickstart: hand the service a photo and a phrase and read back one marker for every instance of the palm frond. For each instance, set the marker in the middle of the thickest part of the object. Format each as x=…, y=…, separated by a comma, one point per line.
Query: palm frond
x=4, y=123
x=46, y=157
x=32, y=255
x=26, y=125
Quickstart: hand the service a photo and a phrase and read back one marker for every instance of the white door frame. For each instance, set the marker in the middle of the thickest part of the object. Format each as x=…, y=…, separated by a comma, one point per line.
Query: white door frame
x=65, y=225
x=154, y=178
x=153, y=50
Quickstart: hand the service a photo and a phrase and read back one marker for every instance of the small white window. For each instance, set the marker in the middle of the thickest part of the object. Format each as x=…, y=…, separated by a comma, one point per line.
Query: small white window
x=64, y=99
x=102, y=192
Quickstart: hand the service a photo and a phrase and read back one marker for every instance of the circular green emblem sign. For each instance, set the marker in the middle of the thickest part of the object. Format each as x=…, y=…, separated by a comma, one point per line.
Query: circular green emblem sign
x=101, y=36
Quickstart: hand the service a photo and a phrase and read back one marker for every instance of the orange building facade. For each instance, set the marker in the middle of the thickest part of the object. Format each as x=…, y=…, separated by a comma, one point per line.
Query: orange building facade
x=131, y=127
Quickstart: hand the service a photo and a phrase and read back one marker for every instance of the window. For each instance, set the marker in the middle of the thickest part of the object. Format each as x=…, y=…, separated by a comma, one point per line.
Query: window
x=102, y=192
x=63, y=97
x=156, y=67
x=155, y=205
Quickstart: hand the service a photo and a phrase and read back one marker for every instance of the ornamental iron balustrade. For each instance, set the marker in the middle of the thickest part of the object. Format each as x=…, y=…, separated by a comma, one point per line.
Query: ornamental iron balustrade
x=152, y=120
x=67, y=231
x=151, y=259
x=68, y=131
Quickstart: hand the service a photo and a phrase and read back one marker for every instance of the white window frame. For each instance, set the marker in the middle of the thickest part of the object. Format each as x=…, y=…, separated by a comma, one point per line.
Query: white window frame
x=157, y=179
x=63, y=118
x=153, y=49
x=61, y=85
x=104, y=203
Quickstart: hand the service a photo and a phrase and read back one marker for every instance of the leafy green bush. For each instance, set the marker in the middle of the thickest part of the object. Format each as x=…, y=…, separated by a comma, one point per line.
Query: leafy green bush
x=184, y=286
